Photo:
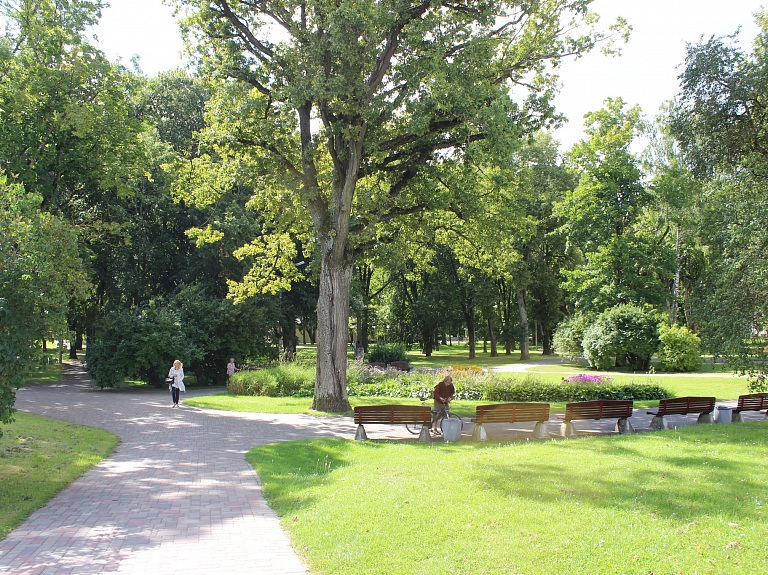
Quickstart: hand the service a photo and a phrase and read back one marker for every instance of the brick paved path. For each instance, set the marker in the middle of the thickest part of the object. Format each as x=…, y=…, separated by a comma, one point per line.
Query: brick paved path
x=176, y=496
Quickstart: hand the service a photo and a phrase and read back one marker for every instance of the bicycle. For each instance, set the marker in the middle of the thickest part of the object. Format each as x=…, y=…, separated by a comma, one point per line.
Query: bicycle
x=439, y=415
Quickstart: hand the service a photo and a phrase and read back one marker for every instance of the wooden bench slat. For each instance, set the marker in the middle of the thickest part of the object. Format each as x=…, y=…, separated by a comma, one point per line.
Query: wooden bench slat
x=684, y=406
x=600, y=409
x=393, y=414
x=752, y=402
x=511, y=412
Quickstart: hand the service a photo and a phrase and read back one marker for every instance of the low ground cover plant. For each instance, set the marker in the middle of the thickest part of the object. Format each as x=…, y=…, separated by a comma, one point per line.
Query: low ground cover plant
x=691, y=500
x=39, y=457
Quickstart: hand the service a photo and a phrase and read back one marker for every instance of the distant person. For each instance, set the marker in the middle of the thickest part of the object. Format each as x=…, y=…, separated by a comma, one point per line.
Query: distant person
x=176, y=374
x=231, y=367
x=442, y=395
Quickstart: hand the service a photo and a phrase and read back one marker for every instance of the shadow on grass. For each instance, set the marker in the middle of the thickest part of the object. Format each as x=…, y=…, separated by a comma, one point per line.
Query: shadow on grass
x=684, y=474
x=701, y=471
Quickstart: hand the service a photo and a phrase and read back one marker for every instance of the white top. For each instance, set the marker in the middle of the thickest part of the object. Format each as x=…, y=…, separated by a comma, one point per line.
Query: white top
x=178, y=378
x=230, y=368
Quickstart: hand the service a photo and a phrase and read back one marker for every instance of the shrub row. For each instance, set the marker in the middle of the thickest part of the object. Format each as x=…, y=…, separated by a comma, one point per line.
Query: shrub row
x=298, y=381
x=282, y=381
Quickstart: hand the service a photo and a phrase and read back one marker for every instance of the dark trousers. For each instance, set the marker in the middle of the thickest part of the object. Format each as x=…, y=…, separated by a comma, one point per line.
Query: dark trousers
x=175, y=394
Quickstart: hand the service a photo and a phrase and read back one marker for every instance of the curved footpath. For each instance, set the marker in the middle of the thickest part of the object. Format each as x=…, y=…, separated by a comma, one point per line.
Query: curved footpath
x=176, y=496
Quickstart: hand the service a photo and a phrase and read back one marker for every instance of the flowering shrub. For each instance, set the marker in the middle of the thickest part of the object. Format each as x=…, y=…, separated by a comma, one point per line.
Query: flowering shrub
x=467, y=368
x=584, y=379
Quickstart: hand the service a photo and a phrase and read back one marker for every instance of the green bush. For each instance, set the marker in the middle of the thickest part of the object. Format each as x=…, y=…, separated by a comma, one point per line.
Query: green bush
x=679, y=349
x=282, y=381
x=569, y=335
x=388, y=353
x=488, y=387
x=532, y=390
x=629, y=333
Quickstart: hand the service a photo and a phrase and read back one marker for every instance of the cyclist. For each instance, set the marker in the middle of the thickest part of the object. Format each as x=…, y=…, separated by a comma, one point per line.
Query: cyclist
x=443, y=393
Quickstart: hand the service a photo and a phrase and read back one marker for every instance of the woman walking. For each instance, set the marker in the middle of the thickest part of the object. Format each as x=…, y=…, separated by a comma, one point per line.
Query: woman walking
x=177, y=374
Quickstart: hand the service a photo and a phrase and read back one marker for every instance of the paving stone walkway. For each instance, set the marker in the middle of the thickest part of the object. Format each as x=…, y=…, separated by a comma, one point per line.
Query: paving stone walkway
x=177, y=496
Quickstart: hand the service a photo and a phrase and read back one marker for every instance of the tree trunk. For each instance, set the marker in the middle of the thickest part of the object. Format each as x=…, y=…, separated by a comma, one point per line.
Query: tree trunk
x=678, y=265
x=359, y=346
x=524, y=336
x=332, y=331
x=546, y=342
x=492, y=335
x=470, y=319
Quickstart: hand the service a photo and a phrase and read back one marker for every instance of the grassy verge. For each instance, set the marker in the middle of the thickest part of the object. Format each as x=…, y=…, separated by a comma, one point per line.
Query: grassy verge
x=725, y=387
x=50, y=373
x=687, y=501
x=567, y=367
x=39, y=457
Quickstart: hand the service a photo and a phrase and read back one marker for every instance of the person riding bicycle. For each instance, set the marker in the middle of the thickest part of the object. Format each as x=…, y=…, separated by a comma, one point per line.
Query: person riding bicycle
x=443, y=393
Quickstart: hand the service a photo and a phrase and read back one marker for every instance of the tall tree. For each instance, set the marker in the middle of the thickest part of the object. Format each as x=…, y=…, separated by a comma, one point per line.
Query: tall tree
x=721, y=122
x=40, y=271
x=352, y=91
x=599, y=215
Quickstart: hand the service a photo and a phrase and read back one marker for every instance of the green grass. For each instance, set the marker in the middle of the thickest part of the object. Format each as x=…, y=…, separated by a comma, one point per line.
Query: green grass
x=722, y=387
x=567, y=367
x=689, y=501
x=458, y=354
x=39, y=457
x=50, y=373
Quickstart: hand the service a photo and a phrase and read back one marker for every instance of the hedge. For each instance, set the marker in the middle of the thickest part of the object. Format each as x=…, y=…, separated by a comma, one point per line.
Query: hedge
x=298, y=381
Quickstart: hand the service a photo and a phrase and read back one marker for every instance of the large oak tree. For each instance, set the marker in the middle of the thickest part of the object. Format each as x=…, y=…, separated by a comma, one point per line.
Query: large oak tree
x=346, y=111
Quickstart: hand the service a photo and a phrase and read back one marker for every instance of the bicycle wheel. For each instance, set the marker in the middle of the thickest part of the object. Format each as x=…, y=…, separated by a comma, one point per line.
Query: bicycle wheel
x=414, y=428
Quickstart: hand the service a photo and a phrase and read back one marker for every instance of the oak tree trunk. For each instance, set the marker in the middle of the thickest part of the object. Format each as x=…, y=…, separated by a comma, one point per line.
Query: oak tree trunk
x=332, y=330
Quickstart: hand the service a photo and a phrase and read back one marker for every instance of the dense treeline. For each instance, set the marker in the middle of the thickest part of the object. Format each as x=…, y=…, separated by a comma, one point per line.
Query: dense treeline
x=191, y=215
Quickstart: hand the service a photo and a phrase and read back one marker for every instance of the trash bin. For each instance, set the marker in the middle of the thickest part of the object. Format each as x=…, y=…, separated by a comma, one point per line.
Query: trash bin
x=451, y=429
x=723, y=414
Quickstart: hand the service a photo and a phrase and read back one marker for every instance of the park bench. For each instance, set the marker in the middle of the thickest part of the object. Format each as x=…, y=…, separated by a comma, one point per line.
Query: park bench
x=400, y=365
x=600, y=409
x=704, y=406
x=377, y=364
x=393, y=415
x=511, y=413
x=751, y=402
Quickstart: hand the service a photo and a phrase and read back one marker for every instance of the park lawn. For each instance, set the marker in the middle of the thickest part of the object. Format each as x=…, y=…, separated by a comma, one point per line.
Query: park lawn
x=50, y=373
x=39, y=457
x=722, y=387
x=694, y=500
x=458, y=354
x=566, y=367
